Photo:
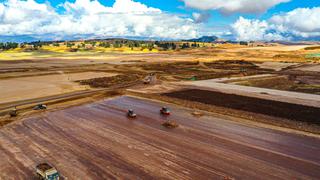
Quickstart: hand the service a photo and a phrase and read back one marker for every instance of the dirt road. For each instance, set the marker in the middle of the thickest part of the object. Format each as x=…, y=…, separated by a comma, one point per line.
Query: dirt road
x=97, y=141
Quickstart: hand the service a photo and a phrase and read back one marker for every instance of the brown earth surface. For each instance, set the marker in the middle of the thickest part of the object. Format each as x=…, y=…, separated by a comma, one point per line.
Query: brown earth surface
x=22, y=88
x=297, y=112
x=97, y=141
x=295, y=83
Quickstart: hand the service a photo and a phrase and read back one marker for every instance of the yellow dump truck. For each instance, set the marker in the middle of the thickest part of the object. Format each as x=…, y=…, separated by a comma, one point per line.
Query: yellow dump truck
x=47, y=172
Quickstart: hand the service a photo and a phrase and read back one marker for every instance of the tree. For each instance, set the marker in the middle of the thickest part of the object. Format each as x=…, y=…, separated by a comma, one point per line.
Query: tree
x=69, y=45
x=8, y=45
x=150, y=46
x=185, y=46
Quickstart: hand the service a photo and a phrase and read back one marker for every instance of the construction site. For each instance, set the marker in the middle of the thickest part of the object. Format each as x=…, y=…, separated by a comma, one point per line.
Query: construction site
x=226, y=112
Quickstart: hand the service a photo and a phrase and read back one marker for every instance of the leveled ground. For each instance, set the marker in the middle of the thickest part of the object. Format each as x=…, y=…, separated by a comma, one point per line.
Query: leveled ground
x=98, y=141
x=23, y=88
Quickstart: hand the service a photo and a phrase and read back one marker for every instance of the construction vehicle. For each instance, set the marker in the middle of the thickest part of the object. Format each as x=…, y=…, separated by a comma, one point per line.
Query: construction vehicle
x=150, y=79
x=131, y=114
x=165, y=111
x=40, y=107
x=47, y=172
x=13, y=112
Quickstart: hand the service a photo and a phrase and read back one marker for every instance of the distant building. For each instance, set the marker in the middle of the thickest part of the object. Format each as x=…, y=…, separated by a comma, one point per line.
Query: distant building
x=88, y=46
x=29, y=46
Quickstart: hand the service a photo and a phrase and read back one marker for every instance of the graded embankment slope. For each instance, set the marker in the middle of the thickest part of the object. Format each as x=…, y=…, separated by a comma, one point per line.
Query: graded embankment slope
x=98, y=141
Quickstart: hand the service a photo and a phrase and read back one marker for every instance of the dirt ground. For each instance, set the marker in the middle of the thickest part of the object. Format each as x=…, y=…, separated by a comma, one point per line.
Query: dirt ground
x=98, y=141
x=262, y=106
x=314, y=68
x=304, y=84
x=277, y=66
x=17, y=89
x=262, y=93
x=281, y=48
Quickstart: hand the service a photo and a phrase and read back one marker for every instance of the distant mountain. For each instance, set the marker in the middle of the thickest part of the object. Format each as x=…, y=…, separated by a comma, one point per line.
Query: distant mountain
x=207, y=39
x=18, y=39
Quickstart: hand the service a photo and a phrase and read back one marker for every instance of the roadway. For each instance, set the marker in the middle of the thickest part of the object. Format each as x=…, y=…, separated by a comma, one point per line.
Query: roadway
x=98, y=141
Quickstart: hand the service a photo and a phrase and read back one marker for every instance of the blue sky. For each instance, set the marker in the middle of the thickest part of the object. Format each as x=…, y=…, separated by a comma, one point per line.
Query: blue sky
x=164, y=19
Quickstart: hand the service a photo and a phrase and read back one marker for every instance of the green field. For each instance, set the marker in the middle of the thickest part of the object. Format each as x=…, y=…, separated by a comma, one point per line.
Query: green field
x=313, y=55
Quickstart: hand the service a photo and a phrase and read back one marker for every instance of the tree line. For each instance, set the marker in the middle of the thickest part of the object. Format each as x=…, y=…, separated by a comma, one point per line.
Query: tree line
x=8, y=45
x=163, y=45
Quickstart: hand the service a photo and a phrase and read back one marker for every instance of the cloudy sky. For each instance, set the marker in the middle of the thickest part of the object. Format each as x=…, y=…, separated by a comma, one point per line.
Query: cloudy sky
x=22, y=20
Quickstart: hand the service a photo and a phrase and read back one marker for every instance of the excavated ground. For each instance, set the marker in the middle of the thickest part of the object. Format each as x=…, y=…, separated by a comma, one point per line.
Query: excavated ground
x=98, y=141
x=251, y=104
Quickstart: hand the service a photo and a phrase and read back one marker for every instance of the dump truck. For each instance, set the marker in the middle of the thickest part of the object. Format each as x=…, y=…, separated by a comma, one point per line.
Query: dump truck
x=47, y=172
x=165, y=111
x=131, y=114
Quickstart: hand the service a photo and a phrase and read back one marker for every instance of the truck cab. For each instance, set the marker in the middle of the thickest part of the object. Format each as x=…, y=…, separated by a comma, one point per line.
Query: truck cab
x=47, y=172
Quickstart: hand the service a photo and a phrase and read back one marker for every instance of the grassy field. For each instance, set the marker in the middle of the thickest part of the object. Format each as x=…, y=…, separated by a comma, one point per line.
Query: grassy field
x=65, y=52
x=203, y=52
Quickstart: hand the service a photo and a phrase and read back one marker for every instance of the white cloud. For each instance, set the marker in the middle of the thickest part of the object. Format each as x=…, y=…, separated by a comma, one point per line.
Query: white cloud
x=303, y=20
x=253, y=30
x=201, y=17
x=234, y=6
x=299, y=24
x=89, y=17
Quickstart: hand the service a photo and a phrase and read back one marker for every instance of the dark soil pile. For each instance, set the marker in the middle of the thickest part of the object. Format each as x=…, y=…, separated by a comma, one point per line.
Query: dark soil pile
x=104, y=82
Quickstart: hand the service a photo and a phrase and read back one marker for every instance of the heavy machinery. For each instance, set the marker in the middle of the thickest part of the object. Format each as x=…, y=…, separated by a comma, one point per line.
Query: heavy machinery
x=40, y=107
x=131, y=114
x=47, y=172
x=165, y=111
x=150, y=79
x=13, y=112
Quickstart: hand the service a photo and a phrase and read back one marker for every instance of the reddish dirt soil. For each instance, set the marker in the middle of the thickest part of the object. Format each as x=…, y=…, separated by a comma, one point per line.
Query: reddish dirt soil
x=98, y=141
x=262, y=106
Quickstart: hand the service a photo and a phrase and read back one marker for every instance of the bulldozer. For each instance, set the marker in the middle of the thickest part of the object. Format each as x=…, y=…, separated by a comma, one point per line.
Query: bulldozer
x=45, y=171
